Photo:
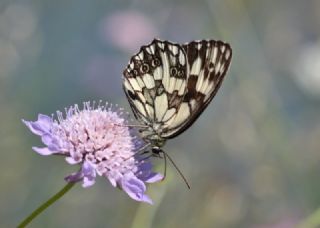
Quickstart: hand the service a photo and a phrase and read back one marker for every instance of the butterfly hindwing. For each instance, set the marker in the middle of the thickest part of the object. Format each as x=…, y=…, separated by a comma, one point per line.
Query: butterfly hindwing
x=208, y=62
x=155, y=82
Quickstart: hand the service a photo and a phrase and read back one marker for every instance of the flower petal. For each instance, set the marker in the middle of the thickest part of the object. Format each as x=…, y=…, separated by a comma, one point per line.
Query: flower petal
x=74, y=177
x=51, y=142
x=89, y=174
x=146, y=199
x=114, y=177
x=135, y=188
x=87, y=182
x=153, y=177
x=145, y=173
x=72, y=161
x=41, y=126
x=44, y=150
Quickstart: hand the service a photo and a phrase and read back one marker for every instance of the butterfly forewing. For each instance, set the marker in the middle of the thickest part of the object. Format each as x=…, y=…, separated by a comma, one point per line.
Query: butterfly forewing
x=155, y=82
x=169, y=85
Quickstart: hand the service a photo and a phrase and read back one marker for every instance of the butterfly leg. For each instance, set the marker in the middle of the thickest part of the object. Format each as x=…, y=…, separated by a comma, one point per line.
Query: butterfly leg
x=141, y=149
x=132, y=125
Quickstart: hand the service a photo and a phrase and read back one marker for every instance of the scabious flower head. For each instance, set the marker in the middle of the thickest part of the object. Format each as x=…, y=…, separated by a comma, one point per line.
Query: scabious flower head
x=98, y=139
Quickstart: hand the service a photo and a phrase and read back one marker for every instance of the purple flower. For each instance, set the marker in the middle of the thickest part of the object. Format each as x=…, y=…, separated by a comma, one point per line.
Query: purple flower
x=98, y=140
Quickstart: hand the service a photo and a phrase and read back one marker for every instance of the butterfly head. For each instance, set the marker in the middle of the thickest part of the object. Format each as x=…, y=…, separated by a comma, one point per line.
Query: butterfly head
x=156, y=151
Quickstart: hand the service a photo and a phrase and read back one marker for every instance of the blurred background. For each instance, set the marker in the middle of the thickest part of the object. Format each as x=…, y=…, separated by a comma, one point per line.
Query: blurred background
x=252, y=158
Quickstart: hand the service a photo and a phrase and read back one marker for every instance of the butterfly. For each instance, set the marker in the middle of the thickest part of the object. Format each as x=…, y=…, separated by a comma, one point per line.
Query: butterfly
x=168, y=85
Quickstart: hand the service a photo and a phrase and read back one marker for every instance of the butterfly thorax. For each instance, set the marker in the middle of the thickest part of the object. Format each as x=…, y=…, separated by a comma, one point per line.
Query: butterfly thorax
x=152, y=134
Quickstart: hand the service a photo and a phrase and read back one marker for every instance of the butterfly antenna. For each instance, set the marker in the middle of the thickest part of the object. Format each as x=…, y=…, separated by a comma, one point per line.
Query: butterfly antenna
x=165, y=166
x=175, y=166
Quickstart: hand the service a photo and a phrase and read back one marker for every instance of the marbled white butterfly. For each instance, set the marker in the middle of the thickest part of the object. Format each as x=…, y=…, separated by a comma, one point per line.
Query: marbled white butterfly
x=168, y=85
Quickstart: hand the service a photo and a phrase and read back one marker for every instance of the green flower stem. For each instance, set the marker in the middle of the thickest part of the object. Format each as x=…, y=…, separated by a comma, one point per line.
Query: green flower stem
x=44, y=206
x=312, y=221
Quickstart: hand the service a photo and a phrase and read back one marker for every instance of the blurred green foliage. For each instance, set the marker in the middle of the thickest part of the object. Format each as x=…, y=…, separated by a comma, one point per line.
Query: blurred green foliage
x=252, y=158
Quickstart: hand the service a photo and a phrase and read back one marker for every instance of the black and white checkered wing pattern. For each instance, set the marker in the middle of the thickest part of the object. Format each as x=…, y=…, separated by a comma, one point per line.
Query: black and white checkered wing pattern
x=169, y=85
x=155, y=82
x=208, y=62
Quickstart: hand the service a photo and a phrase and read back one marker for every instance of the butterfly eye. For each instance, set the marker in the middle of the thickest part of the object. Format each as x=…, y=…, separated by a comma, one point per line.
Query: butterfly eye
x=156, y=62
x=144, y=68
x=173, y=71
